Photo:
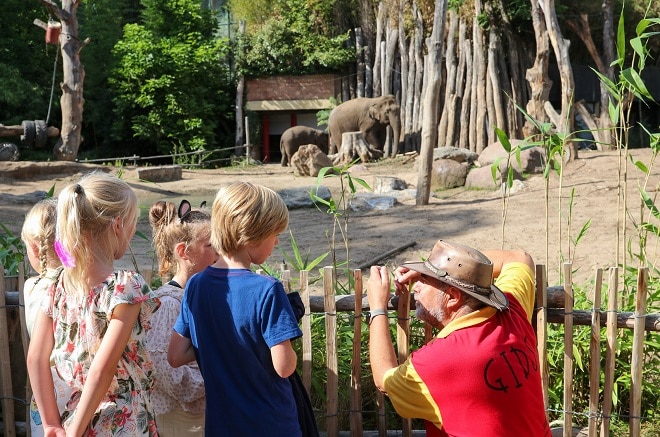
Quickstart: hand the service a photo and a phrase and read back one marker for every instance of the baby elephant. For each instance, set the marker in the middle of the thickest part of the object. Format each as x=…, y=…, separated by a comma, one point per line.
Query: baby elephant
x=297, y=136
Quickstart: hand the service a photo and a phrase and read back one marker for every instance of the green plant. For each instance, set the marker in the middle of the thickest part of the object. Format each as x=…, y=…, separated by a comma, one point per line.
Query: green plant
x=12, y=251
x=301, y=262
x=340, y=211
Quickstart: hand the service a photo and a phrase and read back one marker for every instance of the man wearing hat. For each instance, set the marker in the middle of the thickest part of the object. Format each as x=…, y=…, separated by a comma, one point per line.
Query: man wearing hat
x=480, y=375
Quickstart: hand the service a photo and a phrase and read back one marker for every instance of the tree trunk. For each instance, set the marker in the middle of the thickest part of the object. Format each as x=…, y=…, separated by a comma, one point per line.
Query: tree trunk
x=430, y=108
x=466, y=100
x=419, y=76
x=497, y=87
x=515, y=86
x=560, y=47
x=240, y=87
x=478, y=122
x=450, y=83
x=537, y=76
x=601, y=122
x=360, y=61
x=403, y=52
x=378, y=56
x=73, y=77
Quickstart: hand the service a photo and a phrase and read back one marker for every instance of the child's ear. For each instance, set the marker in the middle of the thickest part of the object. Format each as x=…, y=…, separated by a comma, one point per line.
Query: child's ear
x=180, y=250
x=184, y=208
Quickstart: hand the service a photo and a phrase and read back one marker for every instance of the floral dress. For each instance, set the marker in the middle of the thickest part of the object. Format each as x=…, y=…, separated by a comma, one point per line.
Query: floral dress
x=79, y=324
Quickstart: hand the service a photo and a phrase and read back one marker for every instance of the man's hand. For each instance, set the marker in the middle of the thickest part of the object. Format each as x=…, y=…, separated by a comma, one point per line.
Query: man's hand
x=403, y=277
x=378, y=288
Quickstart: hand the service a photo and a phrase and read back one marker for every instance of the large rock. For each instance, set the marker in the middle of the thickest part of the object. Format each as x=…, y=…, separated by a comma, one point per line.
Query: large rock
x=309, y=160
x=532, y=160
x=455, y=154
x=448, y=173
x=482, y=178
x=165, y=173
x=302, y=197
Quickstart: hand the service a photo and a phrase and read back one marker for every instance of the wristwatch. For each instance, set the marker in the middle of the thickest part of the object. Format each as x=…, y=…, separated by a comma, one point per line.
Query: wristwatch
x=375, y=313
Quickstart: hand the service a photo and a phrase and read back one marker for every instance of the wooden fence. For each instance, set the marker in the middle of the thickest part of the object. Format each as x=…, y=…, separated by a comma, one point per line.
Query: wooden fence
x=554, y=305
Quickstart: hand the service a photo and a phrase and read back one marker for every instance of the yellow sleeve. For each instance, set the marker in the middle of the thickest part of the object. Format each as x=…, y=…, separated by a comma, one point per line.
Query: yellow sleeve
x=517, y=279
x=409, y=394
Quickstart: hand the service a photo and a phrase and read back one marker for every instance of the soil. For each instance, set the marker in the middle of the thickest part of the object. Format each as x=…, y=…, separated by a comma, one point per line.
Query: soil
x=589, y=192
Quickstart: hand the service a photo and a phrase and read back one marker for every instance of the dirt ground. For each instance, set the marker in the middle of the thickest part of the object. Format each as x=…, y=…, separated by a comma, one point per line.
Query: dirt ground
x=468, y=216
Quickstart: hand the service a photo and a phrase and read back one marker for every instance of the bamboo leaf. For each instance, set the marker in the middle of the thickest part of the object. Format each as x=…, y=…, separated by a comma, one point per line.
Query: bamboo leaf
x=649, y=203
x=504, y=140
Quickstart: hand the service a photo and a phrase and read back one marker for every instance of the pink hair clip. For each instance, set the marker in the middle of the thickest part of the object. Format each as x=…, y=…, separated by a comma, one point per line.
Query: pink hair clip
x=64, y=255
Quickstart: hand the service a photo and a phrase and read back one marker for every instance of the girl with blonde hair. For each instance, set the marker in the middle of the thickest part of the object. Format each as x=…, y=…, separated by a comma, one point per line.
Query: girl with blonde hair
x=94, y=322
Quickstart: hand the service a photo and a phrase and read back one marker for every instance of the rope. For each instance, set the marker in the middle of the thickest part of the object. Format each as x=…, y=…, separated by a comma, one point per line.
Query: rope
x=52, y=86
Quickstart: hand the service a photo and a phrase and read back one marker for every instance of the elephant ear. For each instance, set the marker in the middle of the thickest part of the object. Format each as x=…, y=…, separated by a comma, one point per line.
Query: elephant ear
x=375, y=113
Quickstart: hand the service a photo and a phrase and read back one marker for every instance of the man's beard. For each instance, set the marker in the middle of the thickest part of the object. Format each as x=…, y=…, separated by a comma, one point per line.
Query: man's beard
x=434, y=317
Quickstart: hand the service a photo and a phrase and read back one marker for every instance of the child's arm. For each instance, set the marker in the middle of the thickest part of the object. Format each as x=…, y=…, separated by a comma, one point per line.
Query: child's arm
x=104, y=366
x=284, y=358
x=41, y=378
x=180, y=351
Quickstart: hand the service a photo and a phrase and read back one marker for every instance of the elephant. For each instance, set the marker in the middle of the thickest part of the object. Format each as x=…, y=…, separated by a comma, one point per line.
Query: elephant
x=297, y=136
x=369, y=116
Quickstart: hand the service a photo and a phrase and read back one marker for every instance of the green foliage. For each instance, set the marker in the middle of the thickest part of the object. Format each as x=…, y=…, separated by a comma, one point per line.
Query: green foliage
x=297, y=38
x=26, y=63
x=323, y=115
x=301, y=262
x=340, y=211
x=172, y=78
x=12, y=251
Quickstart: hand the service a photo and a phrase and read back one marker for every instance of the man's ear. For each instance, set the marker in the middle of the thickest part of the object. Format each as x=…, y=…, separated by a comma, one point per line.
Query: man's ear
x=456, y=298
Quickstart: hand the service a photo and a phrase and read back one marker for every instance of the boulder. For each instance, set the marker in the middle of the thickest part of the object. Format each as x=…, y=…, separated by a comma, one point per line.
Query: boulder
x=309, y=160
x=482, y=178
x=532, y=160
x=448, y=173
x=455, y=153
x=387, y=184
x=165, y=173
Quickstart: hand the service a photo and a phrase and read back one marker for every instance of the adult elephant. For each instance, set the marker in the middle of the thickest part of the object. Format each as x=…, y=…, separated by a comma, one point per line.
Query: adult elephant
x=371, y=116
x=297, y=136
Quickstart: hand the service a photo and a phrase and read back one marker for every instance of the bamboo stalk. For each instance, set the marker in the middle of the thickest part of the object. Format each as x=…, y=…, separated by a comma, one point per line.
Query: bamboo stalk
x=332, y=389
x=594, y=356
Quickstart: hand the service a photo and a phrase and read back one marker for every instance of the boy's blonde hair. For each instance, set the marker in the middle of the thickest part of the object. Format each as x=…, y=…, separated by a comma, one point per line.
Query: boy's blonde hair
x=246, y=213
x=39, y=228
x=169, y=230
x=86, y=212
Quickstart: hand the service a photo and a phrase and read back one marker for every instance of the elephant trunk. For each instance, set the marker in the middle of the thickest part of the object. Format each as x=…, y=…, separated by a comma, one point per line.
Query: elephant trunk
x=395, y=123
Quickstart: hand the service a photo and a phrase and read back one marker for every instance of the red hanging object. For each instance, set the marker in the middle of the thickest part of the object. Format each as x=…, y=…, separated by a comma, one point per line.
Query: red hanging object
x=53, y=32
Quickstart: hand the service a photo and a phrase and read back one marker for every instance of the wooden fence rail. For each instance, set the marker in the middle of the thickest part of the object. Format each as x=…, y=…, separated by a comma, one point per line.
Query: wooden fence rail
x=554, y=305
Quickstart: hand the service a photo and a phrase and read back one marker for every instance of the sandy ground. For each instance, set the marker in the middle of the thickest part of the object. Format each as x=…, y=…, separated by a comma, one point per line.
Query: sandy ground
x=471, y=217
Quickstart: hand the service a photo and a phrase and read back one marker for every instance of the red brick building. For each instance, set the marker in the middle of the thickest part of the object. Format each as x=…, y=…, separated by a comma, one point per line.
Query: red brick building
x=285, y=101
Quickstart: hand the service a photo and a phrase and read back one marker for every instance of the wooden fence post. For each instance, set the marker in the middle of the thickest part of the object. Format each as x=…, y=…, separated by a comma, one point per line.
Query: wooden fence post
x=356, y=361
x=5, y=365
x=610, y=352
x=594, y=356
x=542, y=330
x=568, y=349
x=332, y=389
x=307, y=334
x=638, y=353
x=403, y=347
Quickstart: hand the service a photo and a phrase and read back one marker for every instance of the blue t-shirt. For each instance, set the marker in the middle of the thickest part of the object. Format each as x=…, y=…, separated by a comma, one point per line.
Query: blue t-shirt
x=233, y=317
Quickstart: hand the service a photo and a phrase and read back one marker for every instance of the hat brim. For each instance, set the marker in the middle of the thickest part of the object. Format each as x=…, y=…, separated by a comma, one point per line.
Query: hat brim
x=495, y=298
